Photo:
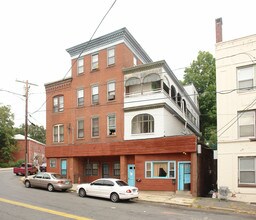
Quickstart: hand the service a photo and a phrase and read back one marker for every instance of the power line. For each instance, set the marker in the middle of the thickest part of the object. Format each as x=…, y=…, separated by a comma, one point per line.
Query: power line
x=82, y=49
x=13, y=93
x=236, y=118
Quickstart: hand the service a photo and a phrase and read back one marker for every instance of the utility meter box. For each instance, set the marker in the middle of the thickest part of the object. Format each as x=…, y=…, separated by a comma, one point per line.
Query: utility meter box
x=223, y=192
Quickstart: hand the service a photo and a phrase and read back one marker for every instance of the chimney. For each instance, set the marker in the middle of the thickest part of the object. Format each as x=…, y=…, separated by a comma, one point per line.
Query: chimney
x=218, y=25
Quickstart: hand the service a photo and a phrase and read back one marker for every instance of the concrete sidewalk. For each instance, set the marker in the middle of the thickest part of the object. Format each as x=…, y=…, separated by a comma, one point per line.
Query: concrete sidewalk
x=186, y=200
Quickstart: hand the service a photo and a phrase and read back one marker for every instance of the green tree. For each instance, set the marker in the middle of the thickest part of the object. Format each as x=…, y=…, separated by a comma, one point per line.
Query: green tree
x=7, y=141
x=35, y=132
x=202, y=73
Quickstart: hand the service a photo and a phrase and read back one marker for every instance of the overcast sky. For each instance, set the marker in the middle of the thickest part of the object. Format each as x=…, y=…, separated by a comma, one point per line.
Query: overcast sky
x=36, y=33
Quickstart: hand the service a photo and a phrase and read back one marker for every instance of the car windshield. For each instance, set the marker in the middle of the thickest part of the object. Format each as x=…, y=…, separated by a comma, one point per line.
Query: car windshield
x=56, y=176
x=121, y=183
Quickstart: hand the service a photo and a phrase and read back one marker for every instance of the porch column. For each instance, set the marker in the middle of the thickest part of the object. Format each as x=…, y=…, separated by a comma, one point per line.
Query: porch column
x=123, y=168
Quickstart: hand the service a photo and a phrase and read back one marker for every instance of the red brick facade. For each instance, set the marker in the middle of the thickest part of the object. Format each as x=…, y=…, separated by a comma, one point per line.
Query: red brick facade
x=88, y=158
x=34, y=149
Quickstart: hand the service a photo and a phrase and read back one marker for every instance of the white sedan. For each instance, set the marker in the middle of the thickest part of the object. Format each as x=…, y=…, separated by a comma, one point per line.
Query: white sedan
x=113, y=189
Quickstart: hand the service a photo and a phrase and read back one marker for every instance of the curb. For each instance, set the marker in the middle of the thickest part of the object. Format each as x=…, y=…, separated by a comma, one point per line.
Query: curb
x=224, y=209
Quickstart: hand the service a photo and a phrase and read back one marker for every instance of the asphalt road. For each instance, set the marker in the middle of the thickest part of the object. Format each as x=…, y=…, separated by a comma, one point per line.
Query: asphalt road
x=18, y=202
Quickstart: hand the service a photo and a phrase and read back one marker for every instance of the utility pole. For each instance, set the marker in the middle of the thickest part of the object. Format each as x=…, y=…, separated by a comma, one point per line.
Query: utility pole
x=26, y=123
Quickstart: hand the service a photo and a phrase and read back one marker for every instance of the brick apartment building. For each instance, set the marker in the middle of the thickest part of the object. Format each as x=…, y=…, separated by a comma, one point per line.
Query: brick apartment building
x=119, y=111
x=35, y=150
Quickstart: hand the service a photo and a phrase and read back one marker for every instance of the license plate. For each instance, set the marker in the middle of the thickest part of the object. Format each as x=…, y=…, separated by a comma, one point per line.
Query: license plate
x=67, y=182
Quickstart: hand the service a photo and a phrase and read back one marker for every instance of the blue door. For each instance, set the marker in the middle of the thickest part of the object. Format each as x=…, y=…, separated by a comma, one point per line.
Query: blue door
x=63, y=167
x=184, y=176
x=131, y=174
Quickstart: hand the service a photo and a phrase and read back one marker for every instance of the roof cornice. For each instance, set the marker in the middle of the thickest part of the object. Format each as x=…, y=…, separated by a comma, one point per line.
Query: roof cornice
x=108, y=39
x=58, y=84
x=143, y=67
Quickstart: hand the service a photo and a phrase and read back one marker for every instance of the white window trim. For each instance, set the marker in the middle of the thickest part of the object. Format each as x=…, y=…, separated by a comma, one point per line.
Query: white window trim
x=94, y=86
x=168, y=171
x=93, y=62
x=109, y=57
x=77, y=95
x=109, y=115
x=93, y=117
x=58, y=126
x=254, y=124
x=79, y=66
x=152, y=125
x=77, y=130
x=108, y=91
x=239, y=170
x=60, y=106
x=241, y=78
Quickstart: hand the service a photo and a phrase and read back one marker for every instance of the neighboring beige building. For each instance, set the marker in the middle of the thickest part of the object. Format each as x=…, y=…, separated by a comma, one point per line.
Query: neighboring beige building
x=236, y=108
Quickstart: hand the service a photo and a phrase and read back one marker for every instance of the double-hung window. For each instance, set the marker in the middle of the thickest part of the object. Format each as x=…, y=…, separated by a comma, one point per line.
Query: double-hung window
x=80, y=97
x=80, y=128
x=95, y=61
x=95, y=94
x=111, y=91
x=111, y=56
x=245, y=77
x=58, y=103
x=160, y=169
x=95, y=126
x=80, y=65
x=246, y=124
x=247, y=170
x=53, y=163
x=58, y=133
x=111, y=124
x=91, y=169
x=116, y=169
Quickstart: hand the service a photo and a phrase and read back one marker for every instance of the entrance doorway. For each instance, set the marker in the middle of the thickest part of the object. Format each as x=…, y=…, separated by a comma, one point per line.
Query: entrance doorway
x=131, y=174
x=184, y=180
x=63, y=167
x=105, y=170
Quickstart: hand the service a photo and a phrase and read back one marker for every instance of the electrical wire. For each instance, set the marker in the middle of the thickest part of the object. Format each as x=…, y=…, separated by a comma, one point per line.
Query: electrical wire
x=236, y=118
x=81, y=51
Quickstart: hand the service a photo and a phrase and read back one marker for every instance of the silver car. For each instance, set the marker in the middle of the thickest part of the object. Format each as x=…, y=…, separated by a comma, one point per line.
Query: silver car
x=50, y=181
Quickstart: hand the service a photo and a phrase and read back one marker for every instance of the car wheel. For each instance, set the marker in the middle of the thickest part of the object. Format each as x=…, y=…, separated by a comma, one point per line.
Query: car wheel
x=27, y=184
x=50, y=188
x=114, y=197
x=29, y=173
x=82, y=192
